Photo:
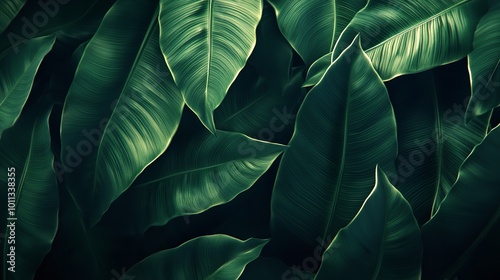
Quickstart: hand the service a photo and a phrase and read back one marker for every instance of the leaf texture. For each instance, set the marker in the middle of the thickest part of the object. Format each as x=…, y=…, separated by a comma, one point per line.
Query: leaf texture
x=122, y=109
x=205, y=44
x=344, y=127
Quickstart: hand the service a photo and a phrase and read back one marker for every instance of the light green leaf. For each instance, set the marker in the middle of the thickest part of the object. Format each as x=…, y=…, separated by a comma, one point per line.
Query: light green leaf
x=26, y=160
x=484, y=64
x=312, y=27
x=205, y=44
x=466, y=214
x=17, y=72
x=433, y=139
x=122, y=109
x=344, y=127
x=382, y=242
x=8, y=11
x=211, y=257
x=195, y=174
x=436, y=32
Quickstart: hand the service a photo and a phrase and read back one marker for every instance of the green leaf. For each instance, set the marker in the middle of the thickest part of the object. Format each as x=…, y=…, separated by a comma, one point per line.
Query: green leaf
x=209, y=257
x=8, y=11
x=17, y=72
x=312, y=27
x=433, y=139
x=41, y=18
x=344, y=127
x=466, y=214
x=382, y=242
x=26, y=159
x=193, y=176
x=437, y=32
x=484, y=64
x=205, y=44
x=317, y=70
x=122, y=109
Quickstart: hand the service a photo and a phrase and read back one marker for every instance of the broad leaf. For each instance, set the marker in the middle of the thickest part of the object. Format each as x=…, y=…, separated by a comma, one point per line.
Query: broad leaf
x=33, y=201
x=205, y=44
x=17, y=72
x=313, y=27
x=8, y=11
x=466, y=214
x=209, y=257
x=433, y=139
x=41, y=18
x=344, y=127
x=484, y=64
x=122, y=109
x=436, y=32
x=193, y=176
x=382, y=242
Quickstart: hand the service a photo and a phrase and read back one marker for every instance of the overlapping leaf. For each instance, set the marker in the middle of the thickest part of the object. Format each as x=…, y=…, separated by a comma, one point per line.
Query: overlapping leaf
x=122, y=108
x=433, y=139
x=208, y=257
x=193, y=176
x=466, y=213
x=17, y=72
x=344, y=127
x=382, y=242
x=410, y=36
x=312, y=27
x=27, y=160
x=484, y=64
x=205, y=44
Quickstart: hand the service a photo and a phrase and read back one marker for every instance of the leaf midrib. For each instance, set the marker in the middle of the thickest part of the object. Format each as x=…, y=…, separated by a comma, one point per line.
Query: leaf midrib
x=210, y=48
x=135, y=64
x=416, y=25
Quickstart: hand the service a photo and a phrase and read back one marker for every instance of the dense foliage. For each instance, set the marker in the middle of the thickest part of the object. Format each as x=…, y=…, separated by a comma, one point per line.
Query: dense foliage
x=250, y=139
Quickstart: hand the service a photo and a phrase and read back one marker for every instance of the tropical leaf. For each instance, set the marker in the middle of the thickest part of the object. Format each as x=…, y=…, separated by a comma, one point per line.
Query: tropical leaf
x=17, y=72
x=208, y=257
x=436, y=32
x=313, y=27
x=382, y=242
x=122, y=109
x=8, y=11
x=317, y=70
x=42, y=18
x=466, y=214
x=26, y=158
x=433, y=139
x=205, y=44
x=193, y=176
x=484, y=64
x=344, y=127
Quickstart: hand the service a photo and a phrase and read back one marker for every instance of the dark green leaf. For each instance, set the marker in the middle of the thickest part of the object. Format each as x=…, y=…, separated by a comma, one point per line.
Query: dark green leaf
x=433, y=139
x=25, y=155
x=466, y=213
x=17, y=72
x=122, y=109
x=484, y=64
x=382, y=242
x=220, y=257
x=8, y=11
x=344, y=127
x=193, y=176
